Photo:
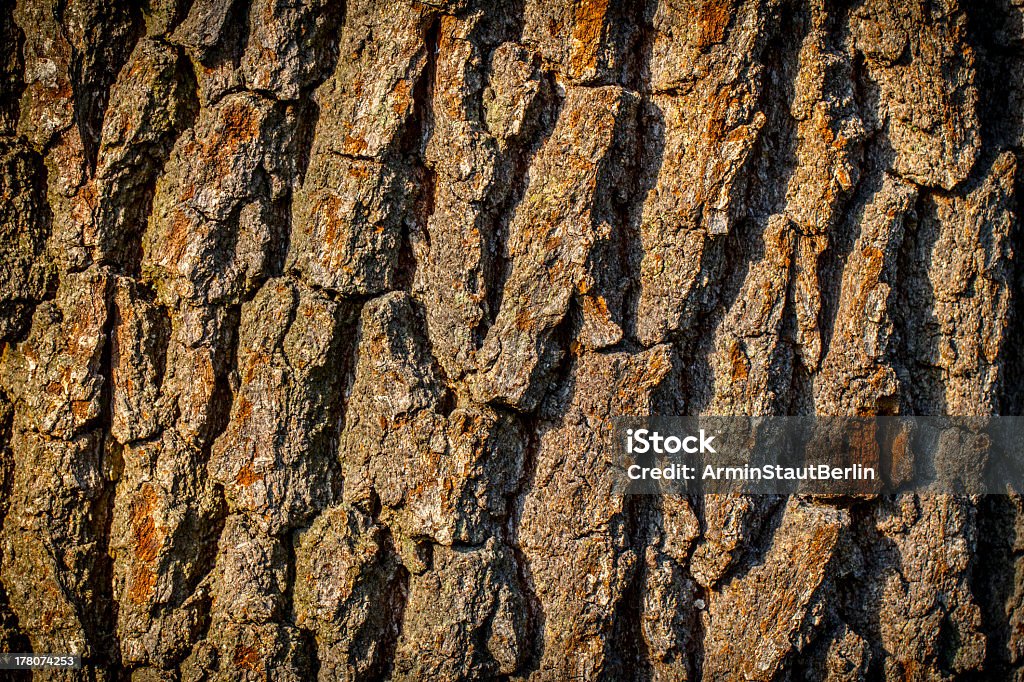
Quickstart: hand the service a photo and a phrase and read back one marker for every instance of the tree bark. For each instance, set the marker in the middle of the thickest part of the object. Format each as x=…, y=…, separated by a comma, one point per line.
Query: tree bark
x=311, y=315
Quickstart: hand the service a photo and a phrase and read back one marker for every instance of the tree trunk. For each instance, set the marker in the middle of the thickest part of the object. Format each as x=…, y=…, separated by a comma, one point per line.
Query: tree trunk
x=312, y=315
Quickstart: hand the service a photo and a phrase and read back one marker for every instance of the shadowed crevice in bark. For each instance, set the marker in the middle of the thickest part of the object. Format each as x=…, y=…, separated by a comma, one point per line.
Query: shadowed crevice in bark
x=114, y=30
x=11, y=70
x=411, y=149
x=729, y=257
x=914, y=319
x=994, y=580
x=539, y=123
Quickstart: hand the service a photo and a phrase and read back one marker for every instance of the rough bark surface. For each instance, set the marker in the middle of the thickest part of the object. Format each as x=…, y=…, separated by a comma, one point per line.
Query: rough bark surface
x=313, y=316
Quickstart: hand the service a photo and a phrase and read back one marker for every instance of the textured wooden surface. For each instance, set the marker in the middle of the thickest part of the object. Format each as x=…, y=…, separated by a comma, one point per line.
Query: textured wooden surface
x=313, y=315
